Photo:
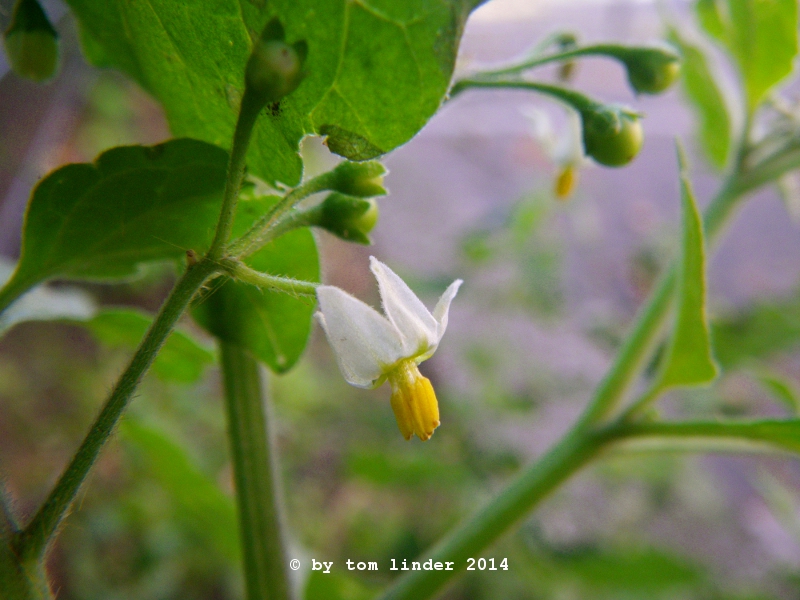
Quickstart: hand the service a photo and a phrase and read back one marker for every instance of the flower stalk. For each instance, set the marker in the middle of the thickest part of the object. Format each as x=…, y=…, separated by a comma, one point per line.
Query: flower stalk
x=241, y=272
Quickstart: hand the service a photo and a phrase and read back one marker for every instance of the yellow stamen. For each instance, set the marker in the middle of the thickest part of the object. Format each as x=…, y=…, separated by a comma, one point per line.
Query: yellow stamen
x=565, y=182
x=413, y=401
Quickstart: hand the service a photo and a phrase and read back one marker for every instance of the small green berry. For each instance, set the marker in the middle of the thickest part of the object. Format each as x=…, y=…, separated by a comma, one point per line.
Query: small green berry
x=652, y=70
x=612, y=135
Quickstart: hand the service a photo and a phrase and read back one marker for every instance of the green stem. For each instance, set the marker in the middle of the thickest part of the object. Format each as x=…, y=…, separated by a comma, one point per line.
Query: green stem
x=646, y=328
x=248, y=114
x=572, y=452
x=575, y=450
x=20, y=581
x=704, y=435
x=641, y=403
x=770, y=169
x=583, y=441
x=8, y=524
x=576, y=100
x=256, y=476
x=634, y=352
x=616, y=51
x=32, y=541
x=272, y=224
x=240, y=271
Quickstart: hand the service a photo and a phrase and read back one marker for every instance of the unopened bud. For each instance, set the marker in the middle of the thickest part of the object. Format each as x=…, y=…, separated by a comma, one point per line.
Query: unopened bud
x=31, y=42
x=652, y=70
x=612, y=134
x=361, y=179
x=275, y=68
x=348, y=217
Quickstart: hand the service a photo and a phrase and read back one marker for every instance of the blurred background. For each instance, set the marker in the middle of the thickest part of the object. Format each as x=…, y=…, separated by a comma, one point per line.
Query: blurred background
x=550, y=286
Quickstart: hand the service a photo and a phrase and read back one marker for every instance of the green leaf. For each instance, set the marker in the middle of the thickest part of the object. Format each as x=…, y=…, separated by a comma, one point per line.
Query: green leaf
x=377, y=70
x=756, y=334
x=199, y=503
x=760, y=34
x=707, y=99
x=736, y=436
x=273, y=325
x=182, y=359
x=133, y=204
x=689, y=360
x=710, y=17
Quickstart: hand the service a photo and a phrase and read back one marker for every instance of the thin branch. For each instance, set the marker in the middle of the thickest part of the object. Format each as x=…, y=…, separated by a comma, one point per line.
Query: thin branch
x=32, y=541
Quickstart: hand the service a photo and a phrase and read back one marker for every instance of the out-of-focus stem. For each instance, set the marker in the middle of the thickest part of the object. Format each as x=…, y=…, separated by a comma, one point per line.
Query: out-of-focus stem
x=258, y=490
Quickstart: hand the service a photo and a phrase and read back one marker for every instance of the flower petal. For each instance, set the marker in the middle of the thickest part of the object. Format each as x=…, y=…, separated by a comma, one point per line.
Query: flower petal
x=364, y=341
x=407, y=312
x=442, y=307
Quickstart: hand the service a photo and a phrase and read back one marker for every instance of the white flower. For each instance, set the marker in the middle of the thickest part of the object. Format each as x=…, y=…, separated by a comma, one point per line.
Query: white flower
x=564, y=149
x=371, y=348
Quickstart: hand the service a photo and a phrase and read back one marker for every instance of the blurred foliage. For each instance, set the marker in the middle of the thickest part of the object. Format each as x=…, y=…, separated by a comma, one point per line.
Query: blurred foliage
x=702, y=89
x=182, y=358
x=522, y=244
x=756, y=333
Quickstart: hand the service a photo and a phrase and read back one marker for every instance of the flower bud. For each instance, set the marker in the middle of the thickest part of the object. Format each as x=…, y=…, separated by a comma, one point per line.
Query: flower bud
x=652, y=70
x=612, y=134
x=361, y=179
x=31, y=42
x=348, y=217
x=275, y=68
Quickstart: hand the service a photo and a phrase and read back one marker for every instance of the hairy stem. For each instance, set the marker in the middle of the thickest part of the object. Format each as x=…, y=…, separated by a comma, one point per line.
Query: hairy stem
x=241, y=272
x=248, y=113
x=256, y=476
x=270, y=225
x=32, y=541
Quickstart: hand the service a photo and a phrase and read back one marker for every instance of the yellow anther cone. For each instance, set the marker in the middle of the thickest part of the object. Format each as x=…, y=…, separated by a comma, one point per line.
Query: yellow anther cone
x=413, y=401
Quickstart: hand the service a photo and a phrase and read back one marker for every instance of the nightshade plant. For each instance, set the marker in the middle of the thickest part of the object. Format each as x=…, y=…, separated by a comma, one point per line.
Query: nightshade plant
x=241, y=83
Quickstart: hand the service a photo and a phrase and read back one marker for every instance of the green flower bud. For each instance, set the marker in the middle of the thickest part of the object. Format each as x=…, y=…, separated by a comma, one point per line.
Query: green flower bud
x=362, y=179
x=348, y=217
x=652, y=70
x=275, y=68
x=612, y=134
x=31, y=42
